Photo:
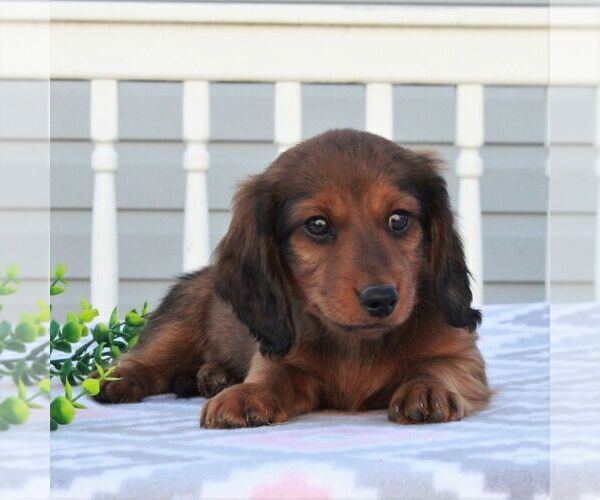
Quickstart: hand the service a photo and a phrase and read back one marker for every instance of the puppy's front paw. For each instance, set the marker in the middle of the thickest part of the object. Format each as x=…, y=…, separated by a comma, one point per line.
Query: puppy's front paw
x=242, y=405
x=425, y=401
x=125, y=390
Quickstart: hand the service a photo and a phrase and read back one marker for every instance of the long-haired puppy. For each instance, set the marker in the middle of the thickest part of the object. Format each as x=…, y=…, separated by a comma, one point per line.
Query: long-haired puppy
x=341, y=284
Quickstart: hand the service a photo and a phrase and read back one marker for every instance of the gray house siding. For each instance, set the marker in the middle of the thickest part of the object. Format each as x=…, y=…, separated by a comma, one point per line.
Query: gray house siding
x=151, y=182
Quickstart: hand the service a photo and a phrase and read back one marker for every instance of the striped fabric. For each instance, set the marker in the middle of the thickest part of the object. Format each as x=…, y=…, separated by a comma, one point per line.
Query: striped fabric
x=156, y=449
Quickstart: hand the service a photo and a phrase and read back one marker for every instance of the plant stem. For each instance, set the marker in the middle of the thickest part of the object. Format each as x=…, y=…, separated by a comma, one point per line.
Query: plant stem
x=82, y=393
x=77, y=354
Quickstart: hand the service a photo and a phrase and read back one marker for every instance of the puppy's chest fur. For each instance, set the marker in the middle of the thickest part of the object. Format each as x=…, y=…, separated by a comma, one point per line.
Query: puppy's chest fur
x=359, y=382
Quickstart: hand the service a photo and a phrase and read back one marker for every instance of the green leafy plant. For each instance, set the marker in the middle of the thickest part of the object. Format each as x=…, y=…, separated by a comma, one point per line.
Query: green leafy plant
x=87, y=362
x=31, y=366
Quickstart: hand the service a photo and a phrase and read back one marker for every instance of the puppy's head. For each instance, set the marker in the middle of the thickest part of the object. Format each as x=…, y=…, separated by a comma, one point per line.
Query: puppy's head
x=354, y=230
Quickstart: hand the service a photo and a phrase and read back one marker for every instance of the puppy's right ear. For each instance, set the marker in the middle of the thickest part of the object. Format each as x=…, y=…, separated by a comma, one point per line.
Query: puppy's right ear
x=249, y=271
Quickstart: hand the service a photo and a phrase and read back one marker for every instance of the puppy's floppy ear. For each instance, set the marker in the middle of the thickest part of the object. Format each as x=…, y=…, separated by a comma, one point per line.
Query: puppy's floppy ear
x=448, y=270
x=249, y=271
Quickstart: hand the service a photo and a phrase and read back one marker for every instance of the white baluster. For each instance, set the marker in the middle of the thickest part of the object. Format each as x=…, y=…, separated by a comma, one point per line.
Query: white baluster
x=103, y=130
x=597, y=248
x=469, y=168
x=380, y=109
x=196, y=130
x=288, y=114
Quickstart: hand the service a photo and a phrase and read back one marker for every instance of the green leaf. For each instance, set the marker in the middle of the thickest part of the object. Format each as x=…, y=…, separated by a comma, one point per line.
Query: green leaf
x=43, y=315
x=56, y=290
x=134, y=319
x=132, y=342
x=145, y=308
x=114, y=318
x=68, y=390
x=53, y=424
x=40, y=367
x=79, y=406
x=22, y=389
x=60, y=270
x=62, y=410
x=44, y=386
x=35, y=406
x=26, y=332
x=115, y=351
x=71, y=332
x=85, y=304
x=101, y=333
x=91, y=386
x=62, y=346
x=54, y=329
x=5, y=329
x=12, y=272
x=98, y=356
x=100, y=369
x=26, y=318
x=15, y=345
x=88, y=315
x=7, y=290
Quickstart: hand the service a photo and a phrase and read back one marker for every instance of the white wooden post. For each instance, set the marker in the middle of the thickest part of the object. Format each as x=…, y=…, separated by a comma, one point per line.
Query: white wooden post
x=380, y=109
x=469, y=168
x=597, y=249
x=288, y=114
x=196, y=130
x=103, y=130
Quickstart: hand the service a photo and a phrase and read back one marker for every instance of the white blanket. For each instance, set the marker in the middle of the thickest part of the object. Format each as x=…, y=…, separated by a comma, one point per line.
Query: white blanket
x=155, y=449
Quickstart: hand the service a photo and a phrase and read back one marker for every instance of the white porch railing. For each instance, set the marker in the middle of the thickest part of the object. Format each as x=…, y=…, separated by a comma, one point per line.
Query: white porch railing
x=378, y=46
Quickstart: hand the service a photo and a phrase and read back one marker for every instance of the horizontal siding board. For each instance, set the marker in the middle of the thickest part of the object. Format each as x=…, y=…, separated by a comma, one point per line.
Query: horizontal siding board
x=514, y=293
x=572, y=244
x=71, y=176
x=571, y=117
x=573, y=183
x=327, y=106
x=231, y=164
x=242, y=111
x=424, y=114
x=24, y=109
x=515, y=115
x=571, y=292
x=24, y=240
x=514, y=248
x=24, y=174
x=69, y=110
x=150, y=110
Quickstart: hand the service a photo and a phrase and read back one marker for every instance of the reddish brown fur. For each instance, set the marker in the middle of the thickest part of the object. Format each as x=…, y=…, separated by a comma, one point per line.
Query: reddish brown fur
x=314, y=345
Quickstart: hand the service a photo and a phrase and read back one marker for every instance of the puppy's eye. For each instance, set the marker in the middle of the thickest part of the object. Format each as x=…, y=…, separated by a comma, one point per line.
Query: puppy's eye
x=398, y=222
x=317, y=226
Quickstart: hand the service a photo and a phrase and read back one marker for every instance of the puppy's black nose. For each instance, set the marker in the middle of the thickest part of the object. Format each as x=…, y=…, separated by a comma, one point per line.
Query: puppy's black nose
x=379, y=301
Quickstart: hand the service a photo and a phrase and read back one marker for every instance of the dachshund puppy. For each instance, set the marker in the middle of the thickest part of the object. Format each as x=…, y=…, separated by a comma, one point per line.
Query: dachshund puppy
x=341, y=284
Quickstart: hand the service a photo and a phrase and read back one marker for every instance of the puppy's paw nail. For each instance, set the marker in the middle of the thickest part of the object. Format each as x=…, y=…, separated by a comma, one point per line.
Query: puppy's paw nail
x=416, y=415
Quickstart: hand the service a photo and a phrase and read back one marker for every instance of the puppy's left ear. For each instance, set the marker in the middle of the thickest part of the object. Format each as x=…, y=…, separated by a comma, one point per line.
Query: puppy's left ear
x=249, y=272
x=449, y=276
